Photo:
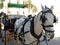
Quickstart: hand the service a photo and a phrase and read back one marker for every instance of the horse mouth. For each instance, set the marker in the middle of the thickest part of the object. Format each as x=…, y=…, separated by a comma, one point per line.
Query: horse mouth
x=50, y=36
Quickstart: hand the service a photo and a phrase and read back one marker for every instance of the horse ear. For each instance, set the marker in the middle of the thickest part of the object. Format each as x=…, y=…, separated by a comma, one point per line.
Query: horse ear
x=46, y=7
x=51, y=8
x=43, y=9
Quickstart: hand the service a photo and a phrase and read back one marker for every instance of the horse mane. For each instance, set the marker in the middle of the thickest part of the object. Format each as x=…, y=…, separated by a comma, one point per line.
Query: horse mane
x=37, y=23
x=37, y=17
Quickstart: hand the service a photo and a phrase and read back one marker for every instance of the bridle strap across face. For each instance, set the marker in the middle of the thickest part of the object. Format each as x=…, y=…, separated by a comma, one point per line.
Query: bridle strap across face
x=47, y=26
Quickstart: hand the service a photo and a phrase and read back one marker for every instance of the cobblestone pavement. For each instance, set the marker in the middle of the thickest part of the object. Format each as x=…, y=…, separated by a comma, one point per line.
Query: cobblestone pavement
x=14, y=42
x=55, y=41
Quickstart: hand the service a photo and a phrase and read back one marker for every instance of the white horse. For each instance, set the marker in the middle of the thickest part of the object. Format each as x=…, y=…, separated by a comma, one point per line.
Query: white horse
x=43, y=21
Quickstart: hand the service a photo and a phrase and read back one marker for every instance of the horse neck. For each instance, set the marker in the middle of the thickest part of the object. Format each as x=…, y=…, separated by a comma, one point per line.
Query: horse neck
x=37, y=18
x=37, y=24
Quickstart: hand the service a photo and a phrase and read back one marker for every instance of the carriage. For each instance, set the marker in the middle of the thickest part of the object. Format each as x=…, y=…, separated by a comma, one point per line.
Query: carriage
x=8, y=24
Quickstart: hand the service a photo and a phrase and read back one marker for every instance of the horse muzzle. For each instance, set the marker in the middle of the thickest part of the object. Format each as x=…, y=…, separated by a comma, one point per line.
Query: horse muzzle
x=50, y=36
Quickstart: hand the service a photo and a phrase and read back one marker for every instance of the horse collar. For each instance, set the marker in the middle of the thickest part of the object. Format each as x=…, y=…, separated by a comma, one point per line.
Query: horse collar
x=32, y=30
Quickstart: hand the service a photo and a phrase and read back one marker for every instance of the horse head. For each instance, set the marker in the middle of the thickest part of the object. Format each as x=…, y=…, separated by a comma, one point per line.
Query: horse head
x=48, y=19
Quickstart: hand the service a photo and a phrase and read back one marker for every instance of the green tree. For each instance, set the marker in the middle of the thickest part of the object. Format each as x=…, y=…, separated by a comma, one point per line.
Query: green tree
x=30, y=6
x=2, y=0
x=1, y=4
x=34, y=8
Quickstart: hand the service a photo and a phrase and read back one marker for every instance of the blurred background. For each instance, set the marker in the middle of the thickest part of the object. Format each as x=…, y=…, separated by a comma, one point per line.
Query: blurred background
x=32, y=7
x=10, y=7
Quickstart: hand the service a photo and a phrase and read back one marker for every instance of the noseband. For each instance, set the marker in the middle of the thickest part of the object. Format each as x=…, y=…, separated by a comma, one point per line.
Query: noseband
x=47, y=26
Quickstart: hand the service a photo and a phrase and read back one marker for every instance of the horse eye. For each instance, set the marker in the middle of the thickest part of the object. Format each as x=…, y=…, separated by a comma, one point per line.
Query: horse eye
x=43, y=19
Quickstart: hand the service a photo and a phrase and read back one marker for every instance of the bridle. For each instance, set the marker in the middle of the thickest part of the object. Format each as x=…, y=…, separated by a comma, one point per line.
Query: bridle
x=44, y=19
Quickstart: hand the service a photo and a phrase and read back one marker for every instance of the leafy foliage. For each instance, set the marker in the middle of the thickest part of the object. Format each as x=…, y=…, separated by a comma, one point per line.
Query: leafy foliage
x=1, y=5
x=30, y=5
